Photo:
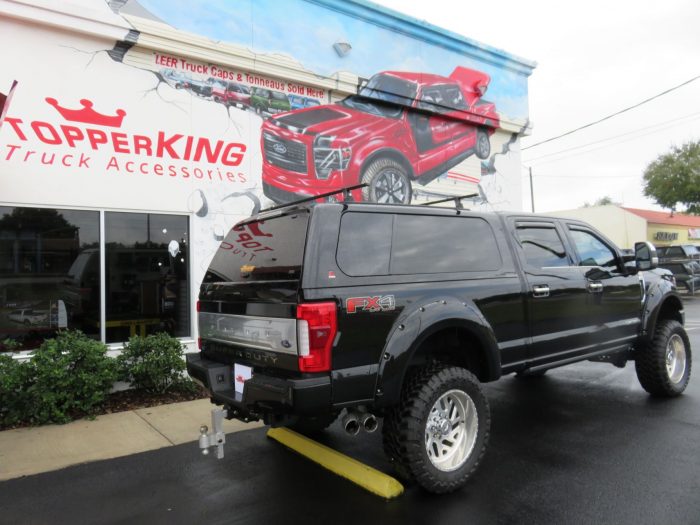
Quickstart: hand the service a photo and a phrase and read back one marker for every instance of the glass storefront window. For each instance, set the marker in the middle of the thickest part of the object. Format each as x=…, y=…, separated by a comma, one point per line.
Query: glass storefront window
x=147, y=281
x=49, y=274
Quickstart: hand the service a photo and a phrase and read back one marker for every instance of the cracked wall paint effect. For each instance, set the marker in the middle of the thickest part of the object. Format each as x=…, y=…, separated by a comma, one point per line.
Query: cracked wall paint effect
x=89, y=70
x=211, y=221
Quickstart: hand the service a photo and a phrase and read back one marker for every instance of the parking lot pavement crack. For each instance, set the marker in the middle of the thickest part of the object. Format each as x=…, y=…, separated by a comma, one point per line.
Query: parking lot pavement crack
x=154, y=428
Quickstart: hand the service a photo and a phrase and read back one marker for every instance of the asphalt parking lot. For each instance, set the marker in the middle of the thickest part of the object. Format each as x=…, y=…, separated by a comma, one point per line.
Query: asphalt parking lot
x=584, y=444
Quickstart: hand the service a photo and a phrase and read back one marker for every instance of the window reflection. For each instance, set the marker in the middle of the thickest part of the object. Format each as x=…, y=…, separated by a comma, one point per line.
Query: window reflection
x=542, y=246
x=146, y=286
x=49, y=277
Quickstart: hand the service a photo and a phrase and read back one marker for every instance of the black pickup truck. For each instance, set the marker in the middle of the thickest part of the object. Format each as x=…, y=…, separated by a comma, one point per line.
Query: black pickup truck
x=401, y=312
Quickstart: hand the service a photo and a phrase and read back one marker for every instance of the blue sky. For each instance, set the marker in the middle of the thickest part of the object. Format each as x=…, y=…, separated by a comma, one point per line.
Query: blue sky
x=307, y=32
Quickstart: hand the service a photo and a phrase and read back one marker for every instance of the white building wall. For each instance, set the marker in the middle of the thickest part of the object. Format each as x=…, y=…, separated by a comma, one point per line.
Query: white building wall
x=620, y=226
x=90, y=109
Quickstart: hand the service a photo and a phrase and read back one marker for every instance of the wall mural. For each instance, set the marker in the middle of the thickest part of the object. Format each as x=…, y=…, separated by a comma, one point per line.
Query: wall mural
x=399, y=127
x=407, y=73
x=118, y=126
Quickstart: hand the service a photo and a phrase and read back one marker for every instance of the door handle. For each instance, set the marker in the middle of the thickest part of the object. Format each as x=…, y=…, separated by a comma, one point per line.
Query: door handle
x=595, y=287
x=540, y=290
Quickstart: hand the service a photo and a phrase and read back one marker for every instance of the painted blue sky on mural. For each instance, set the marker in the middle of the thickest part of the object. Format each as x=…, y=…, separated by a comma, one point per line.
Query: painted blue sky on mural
x=307, y=32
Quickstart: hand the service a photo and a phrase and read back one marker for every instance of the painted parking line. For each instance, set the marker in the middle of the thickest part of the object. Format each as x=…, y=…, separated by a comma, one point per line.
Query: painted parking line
x=363, y=475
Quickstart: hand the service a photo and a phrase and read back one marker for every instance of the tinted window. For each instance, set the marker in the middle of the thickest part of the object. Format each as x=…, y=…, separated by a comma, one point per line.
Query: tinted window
x=431, y=100
x=675, y=251
x=49, y=274
x=454, y=98
x=424, y=244
x=147, y=286
x=373, y=106
x=364, y=245
x=591, y=250
x=265, y=250
x=390, y=89
x=542, y=246
x=421, y=244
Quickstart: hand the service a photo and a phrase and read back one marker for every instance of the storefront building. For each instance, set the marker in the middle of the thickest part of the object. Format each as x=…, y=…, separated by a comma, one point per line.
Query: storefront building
x=133, y=138
x=666, y=228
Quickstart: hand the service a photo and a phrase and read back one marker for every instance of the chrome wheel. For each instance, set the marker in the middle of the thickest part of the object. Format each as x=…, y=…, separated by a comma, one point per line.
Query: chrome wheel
x=391, y=187
x=664, y=364
x=451, y=430
x=675, y=358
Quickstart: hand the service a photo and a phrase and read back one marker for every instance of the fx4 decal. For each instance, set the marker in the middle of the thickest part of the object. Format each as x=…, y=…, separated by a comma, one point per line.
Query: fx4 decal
x=379, y=303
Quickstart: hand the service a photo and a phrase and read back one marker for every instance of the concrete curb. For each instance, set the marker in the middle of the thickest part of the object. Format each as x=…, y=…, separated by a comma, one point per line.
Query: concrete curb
x=27, y=451
x=368, y=478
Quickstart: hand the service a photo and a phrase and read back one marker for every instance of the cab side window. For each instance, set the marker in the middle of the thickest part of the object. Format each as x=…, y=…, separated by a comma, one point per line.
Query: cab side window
x=454, y=98
x=592, y=251
x=542, y=246
x=431, y=100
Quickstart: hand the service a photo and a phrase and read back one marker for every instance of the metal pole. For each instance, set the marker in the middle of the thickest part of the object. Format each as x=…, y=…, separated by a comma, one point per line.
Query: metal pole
x=532, y=192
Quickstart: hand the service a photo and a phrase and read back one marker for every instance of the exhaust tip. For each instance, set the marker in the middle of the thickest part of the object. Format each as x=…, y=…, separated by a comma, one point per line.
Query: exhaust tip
x=351, y=424
x=352, y=427
x=370, y=423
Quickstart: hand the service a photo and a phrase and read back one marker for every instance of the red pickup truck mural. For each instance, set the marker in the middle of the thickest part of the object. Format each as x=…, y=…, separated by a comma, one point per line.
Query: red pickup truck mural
x=399, y=128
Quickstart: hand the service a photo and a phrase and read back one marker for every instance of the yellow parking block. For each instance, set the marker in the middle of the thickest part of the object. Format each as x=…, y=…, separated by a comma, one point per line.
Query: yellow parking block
x=363, y=475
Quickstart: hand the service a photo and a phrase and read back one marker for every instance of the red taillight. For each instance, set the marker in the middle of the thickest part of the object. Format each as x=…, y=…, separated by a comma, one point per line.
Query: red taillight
x=316, y=329
x=198, y=306
x=199, y=343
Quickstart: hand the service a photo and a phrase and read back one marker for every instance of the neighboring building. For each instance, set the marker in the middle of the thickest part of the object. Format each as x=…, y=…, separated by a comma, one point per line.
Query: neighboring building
x=625, y=226
x=131, y=145
x=666, y=228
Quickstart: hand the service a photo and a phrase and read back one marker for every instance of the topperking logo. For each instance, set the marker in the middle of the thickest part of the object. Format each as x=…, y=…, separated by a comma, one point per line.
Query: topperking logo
x=85, y=134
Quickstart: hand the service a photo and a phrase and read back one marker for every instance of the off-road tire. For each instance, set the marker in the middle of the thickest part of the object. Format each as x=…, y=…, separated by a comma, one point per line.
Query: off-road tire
x=314, y=424
x=381, y=170
x=650, y=361
x=405, y=426
x=392, y=419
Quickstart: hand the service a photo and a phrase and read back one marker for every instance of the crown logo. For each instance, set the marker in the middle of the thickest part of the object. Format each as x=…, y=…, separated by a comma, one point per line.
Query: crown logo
x=87, y=114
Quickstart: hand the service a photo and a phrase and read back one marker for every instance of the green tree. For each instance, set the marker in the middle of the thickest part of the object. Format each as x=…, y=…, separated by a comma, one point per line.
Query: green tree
x=603, y=201
x=674, y=178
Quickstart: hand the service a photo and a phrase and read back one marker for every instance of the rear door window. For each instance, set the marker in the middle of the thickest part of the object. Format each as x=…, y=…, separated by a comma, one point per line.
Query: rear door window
x=542, y=246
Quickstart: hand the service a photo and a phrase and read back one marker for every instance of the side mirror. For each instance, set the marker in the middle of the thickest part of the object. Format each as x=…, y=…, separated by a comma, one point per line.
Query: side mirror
x=645, y=256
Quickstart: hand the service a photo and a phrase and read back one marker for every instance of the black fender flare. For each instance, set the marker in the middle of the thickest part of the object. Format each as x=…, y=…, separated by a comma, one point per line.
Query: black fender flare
x=660, y=296
x=417, y=324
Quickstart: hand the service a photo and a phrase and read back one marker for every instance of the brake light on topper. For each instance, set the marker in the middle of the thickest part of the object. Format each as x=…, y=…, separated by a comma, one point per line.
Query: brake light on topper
x=316, y=329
